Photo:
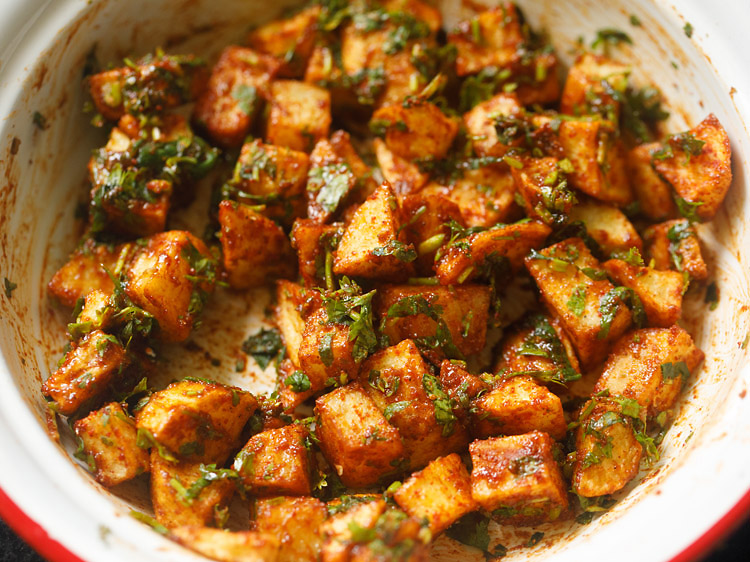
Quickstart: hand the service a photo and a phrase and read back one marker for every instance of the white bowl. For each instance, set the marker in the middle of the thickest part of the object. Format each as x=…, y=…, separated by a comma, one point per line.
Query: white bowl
x=693, y=496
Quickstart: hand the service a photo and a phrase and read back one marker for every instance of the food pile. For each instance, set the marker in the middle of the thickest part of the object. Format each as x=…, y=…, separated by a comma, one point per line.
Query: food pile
x=398, y=186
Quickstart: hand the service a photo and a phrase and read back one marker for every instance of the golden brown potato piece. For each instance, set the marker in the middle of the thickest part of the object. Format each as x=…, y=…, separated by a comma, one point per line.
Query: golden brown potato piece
x=255, y=248
x=517, y=480
x=239, y=82
x=586, y=82
x=660, y=291
x=575, y=290
x=489, y=39
x=86, y=372
x=698, y=165
x=170, y=279
x=293, y=304
x=608, y=454
x=608, y=226
x=461, y=386
x=417, y=129
x=440, y=493
x=482, y=121
x=296, y=521
x=277, y=462
x=188, y=493
x=674, y=245
x=394, y=534
x=373, y=245
x=154, y=83
x=236, y=546
x=109, y=440
x=518, y=405
x=652, y=192
x=290, y=39
x=398, y=381
x=405, y=177
x=199, y=421
x=355, y=437
x=650, y=366
x=543, y=186
x=503, y=247
x=97, y=312
x=424, y=313
x=299, y=115
x=345, y=513
x=314, y=244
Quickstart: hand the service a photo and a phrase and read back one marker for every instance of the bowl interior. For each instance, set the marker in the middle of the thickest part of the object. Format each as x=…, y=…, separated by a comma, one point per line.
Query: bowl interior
x=692, y=485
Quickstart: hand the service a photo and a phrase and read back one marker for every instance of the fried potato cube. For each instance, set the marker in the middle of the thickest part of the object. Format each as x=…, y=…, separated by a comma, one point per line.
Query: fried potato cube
x=417, y=129
x=589, y=312
x=598, y=159
x=543, y=188
x=425, y=221
x=489, y=39
x=274, y=176
x=461, y=386
x=277, y=462
x=518, y=405
x=517, y=479
x=650, y=366
x=239, y=82
x=170, y=279
x=314, y=243
x=393, y=535
x=293, y=304
x=372, y=245
x=225, y=546
x=404, y=176
x=660, y=291
x=355, y=437
x=503, y=247
x=419, y=10
x=398, y=380
x=85, y=271
x=423, y=313
x=585, y=82
x=290, y=39
x=296, y=521
x=109, y=438
x=97, y=312
x=337, y=174
x=608, y=455
x=537, y=79
x=299, y=116
x=86, y=372
x=255, y=248
x=608, y=226
x=486, y=196
x=154, y=83
x=402, y=77
x=698, y=165
x=345, y=513
x=674, y=245
x=200, y=421
x=652, y=192
x=440, y=493
x=326, y=352
x=188, y=493
x=482, y=120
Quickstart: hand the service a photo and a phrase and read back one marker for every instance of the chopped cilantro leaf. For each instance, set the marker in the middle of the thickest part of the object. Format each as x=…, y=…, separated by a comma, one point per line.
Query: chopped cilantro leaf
x=264, y=346
x=9, y=287
x=298, y=381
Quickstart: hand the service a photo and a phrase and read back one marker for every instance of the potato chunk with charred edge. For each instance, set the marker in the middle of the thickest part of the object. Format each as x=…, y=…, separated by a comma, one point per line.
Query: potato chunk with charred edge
x=440, y=493
x=224, y=546
x=299, y=115
x=575, y=290
x=170, y=279
x=608, y=226
x=296, y=521
x=86, y=372
x=277, y=462
x=449, y=320
x=652, y=192
x=674, y=245
x=518, y=405
x=517, y=480
x=590, y=78
x=255, y=248
x=660, y=291
x=151, y=84
x=200, y=421
x=417, y=129
x=650, y=366
x=399, y=382
x=608, y=455
x=109, y=438
x=482, y=123
x=239, y=82
x=503, y=246
x=355, y=437
x=373, y=245
x=188, y=493
x=697, y=164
